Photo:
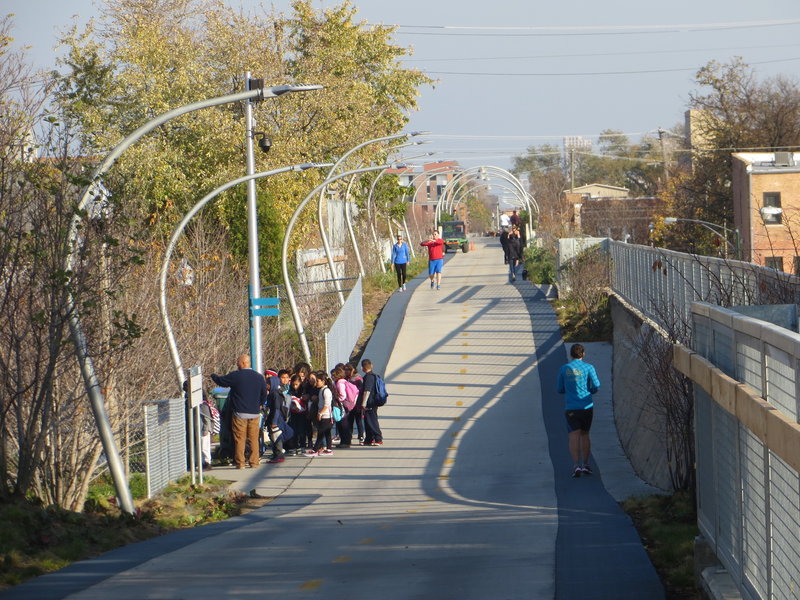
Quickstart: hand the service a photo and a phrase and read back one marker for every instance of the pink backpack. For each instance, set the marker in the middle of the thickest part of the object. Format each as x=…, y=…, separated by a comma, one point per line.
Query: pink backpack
x=351, y=395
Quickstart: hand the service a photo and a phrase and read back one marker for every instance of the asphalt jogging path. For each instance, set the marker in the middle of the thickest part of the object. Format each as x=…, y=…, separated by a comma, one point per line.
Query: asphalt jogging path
x=470, y=496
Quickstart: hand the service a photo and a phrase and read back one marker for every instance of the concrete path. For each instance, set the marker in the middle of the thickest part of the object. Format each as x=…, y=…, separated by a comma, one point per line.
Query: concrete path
x=470, y=497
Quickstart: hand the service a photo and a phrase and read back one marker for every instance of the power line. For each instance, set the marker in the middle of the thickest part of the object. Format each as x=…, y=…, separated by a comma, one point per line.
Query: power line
x=587, y=30
x=589, y=73
x=592, y=54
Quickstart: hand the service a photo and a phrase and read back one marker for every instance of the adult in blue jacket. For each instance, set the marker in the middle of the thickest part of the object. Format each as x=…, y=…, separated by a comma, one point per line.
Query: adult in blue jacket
x=577, y=380
x=401, y=255
x=248, y=394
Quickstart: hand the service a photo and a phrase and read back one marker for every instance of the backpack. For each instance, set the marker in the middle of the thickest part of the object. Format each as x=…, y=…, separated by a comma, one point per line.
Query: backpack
x=337, y=411
x=351, y=395
x=380, y=391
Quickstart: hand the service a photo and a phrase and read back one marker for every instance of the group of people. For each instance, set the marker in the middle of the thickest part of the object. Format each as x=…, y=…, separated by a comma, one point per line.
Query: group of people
x=401, y=256
x=299, y=411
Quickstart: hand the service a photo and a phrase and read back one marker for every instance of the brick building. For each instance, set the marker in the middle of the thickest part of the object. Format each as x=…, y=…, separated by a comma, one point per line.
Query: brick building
x=766, y=199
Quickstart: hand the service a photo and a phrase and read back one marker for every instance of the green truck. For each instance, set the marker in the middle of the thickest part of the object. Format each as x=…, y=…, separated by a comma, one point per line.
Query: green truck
x=454, y=234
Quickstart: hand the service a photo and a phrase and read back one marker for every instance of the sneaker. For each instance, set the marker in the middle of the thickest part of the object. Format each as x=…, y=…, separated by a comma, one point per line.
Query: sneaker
x=335, y=438
x=431, y=285
x=325, y=452
x=400, y=289
x=376, y=443
x=277, y=459
x=310, y=453
x=586, y=470
x=577, y=472
x=438, y=287
x=404, y=287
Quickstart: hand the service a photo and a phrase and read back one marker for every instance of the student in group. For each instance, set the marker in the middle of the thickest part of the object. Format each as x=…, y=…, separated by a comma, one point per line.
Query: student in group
x=401, y=255
x=374, y=436
x=324, y=415
x=297, y=417
x=356, y=416
x=347, y=394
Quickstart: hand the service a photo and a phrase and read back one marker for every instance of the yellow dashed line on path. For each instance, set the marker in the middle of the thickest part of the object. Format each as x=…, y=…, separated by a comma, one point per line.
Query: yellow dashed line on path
x=311, y=584
x=461, y=387
x=448, y=461
x=342, y=559
x=465, y=356
x=456, y=419
x=444, y=477
x=367, y=541
x=463, y=371
x=451, y=448
x=465, y=334
x=459, y=403
x=465, y=344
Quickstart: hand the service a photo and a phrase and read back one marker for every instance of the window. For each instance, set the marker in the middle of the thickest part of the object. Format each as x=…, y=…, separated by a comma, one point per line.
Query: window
x=774, y=262
x=772, y=200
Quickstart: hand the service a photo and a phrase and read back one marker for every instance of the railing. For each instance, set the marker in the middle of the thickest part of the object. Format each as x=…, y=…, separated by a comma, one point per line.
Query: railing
x=343, y=334
x=662, y=284
x=747, y=447
x=165, y=442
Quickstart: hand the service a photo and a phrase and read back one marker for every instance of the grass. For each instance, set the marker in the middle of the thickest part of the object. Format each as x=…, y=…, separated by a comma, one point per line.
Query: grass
x=668, y=526
x=35, y=539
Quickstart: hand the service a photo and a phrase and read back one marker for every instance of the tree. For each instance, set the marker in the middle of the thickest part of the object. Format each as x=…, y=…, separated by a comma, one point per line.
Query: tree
x=148, y=56
x=737, y=112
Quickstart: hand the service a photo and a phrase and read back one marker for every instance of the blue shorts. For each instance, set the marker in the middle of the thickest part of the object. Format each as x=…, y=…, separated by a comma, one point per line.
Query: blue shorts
x=435, y=266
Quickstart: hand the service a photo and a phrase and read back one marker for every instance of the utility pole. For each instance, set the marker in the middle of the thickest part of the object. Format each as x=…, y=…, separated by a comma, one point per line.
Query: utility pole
x=661, y=133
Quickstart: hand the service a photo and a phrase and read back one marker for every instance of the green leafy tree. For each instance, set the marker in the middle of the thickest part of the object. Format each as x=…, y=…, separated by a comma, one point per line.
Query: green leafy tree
x=737, y=112
x=148, y=56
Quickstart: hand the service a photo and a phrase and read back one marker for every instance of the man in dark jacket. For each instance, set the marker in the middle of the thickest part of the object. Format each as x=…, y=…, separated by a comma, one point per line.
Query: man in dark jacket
x=248, y=394
x=514, y=249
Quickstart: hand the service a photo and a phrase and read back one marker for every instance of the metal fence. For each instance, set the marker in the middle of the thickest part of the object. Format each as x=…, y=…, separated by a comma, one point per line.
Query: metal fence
x=165, y=442
x=748, y=497
x=662, y=284
x=343, y=334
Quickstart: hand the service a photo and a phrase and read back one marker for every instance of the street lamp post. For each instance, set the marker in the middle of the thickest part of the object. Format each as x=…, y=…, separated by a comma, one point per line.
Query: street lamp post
x=718, y=230
x=88, y=372
x=253, y=262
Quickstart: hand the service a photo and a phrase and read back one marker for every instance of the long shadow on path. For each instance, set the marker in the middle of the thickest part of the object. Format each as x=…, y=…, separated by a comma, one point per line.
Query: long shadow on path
x=598, y=551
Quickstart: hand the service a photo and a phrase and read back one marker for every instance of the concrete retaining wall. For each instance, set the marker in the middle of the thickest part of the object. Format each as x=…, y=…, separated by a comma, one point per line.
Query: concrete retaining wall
x=639, y=424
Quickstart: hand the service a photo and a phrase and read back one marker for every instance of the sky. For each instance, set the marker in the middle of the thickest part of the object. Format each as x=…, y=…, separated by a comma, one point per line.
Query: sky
x=514, y=73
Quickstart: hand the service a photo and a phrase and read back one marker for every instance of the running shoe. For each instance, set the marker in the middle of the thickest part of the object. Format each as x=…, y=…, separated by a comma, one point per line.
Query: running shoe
x=277, y=459
x=431, y=285
x=438, y=287
x=586, y=470
x=404, y=287
x=310, y=454
x=376, y=443
x=326, y=452
x=577, y=472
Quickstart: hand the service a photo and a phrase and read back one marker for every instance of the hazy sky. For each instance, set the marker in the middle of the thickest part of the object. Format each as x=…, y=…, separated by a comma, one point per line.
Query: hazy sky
x=515, y=73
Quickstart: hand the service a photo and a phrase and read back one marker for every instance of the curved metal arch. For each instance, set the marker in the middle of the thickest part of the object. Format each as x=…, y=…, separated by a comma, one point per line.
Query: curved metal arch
x=162, y=304
x=301, y=334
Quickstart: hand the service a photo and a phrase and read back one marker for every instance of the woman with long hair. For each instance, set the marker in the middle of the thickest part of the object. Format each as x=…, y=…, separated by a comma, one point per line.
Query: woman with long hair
x=324, y=415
